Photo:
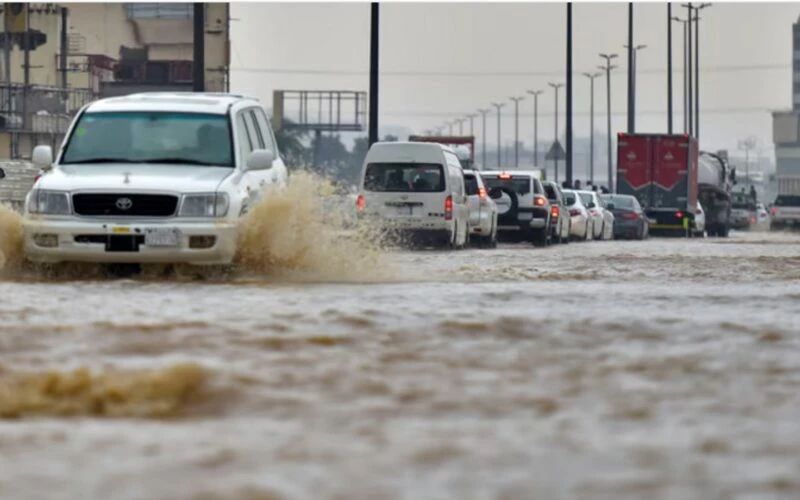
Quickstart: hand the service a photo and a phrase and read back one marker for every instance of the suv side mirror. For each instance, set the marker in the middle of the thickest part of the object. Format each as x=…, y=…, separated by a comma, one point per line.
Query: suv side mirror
x=259, y=159
x=42, y=156
x=2, y=174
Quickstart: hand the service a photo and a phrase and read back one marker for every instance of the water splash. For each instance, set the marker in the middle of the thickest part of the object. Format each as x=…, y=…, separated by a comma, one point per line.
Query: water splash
x=11, y=253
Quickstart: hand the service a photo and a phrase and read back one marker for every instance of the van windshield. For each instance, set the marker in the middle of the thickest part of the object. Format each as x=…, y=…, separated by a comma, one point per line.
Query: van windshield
x=150, y=137
x=404, y=177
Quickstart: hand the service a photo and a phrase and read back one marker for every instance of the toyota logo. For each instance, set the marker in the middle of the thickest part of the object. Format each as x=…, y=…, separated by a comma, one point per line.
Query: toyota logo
x=124, y=203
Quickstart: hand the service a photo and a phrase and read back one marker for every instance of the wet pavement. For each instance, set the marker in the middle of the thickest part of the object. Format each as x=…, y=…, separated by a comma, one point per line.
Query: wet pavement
x=662, y=369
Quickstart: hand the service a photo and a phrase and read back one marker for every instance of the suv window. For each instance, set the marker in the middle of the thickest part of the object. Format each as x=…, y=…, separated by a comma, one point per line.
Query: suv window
x=787, y=200
x=537, y=186
x=266, y=130
x=150, y=136
x=520, y=184
x=404, y=177
x=253, y=122
x=471, y=184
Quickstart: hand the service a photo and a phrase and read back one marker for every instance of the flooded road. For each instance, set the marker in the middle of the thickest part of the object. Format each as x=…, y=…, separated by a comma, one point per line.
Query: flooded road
x=663, y=369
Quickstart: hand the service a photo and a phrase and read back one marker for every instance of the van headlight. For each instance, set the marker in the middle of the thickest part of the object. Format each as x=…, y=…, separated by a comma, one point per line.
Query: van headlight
x=204, y=205
x=44, y=201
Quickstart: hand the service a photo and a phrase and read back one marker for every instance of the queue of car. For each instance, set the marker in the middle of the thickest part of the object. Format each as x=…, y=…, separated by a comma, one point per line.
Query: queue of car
x=423, y=194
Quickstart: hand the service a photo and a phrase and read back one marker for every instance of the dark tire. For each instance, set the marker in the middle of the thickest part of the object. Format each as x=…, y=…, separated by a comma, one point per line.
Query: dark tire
x=540, y=238
x=723, y=232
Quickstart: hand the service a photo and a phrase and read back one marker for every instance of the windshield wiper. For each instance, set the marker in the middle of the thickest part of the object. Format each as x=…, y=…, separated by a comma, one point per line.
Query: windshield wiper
x=177, y=161
x=98, y=160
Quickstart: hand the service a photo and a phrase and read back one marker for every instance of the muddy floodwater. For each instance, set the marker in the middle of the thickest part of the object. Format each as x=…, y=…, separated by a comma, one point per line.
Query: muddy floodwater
x=663, y=369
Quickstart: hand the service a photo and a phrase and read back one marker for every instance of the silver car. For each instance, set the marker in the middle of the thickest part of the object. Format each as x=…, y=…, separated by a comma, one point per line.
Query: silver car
x=482, y=210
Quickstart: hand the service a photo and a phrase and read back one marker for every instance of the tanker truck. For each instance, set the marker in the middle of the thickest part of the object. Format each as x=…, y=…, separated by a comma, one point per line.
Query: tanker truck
x=715, y=181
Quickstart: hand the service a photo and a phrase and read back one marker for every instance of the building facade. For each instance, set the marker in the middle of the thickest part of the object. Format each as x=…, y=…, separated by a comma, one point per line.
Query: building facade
x=786, y=129
x=77, y=52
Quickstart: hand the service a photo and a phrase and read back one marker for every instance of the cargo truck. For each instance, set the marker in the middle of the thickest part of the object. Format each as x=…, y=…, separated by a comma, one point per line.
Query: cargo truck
x=715, y=181
x=660, y=170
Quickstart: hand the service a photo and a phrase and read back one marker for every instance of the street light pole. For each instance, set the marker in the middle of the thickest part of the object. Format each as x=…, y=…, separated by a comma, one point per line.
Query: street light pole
x=690, y=17
x=631, y=103
x=669, y=67
x=591, y=77
x=632, y=72
x=697, y=68
x=608, y=67
x=483, y=113
x=471, y=124
x=535, y=94
x=555, y=87
x=460, y=122
x=374, y=59
x=498, y=106
x=516, y=101
x=685, y=77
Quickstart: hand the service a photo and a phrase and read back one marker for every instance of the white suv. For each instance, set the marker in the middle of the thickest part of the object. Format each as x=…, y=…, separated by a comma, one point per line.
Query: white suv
x=152, y=178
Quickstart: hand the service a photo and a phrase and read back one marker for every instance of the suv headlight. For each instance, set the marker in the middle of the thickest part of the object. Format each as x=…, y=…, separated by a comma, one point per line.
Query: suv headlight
x=43, y=201
x=204, y=205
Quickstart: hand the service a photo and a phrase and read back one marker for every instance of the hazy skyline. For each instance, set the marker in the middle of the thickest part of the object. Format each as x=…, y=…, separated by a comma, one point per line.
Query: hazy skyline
x=441, y=61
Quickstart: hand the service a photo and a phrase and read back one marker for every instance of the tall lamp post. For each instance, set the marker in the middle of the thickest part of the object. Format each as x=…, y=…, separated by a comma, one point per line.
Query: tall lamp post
x=669, y=67
x=697, y=68
x=483, y=113
x=591, y=77
x=472, y=124
x=685, y=76
x=535, y=94
x=607, y=68
x=632, y=110
x=498, y=106
x=460, y=122
x=374, y=59
x=555, y=87
x=516, y=101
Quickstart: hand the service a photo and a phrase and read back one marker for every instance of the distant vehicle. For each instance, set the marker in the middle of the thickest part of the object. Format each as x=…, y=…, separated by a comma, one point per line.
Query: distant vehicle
x=661, y=171
x=462, y=145
x=715, y=181
x=630, y=220
x=482, y=210
x=602, y=219
x=155, y=177
x=743, y=211
x=580, y=220
x=762, y=216
x=698, y=226
x=786, y=211
x=560, y=221
x=522, y=205
x=417, y=192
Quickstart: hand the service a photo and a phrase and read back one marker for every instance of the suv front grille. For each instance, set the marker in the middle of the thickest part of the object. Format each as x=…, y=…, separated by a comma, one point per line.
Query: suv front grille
x=121, y=204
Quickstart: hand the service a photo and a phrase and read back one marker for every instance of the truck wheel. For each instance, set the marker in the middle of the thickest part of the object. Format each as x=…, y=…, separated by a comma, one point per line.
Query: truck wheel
x=723, y=232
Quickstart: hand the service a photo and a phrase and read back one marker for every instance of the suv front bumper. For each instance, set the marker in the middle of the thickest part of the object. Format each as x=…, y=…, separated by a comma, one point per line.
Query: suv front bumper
x=67, y=239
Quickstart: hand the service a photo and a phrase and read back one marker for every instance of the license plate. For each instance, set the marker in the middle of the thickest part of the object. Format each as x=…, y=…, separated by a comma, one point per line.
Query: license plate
x=525, y=216
x=162, y=237
x=404, y=210
x=652, y=221
x=121, y=230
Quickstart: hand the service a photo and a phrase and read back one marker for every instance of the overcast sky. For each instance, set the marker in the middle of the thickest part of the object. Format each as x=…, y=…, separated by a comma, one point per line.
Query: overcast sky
x=745, y=57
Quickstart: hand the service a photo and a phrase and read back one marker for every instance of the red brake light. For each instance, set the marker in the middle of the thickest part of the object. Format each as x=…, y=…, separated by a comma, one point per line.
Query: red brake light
x=773, y=210
x=554, y=211
x=539, y=201
x=448, y=208
x=574, y=212
x=504, y=176
x=630, y=215
x=679, y=215
x=482, y=193
x=360, y=203
x=752, y=220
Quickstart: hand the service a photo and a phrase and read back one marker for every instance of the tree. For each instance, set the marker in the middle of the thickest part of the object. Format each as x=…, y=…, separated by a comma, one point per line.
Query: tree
x=290, y=143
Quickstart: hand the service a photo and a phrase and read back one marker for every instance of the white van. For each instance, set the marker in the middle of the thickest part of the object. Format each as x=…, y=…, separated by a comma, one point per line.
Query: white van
x=415, y=189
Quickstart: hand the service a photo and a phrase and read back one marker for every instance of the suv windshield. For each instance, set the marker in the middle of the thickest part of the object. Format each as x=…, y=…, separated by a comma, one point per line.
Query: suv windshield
x=521, y=185
x=404, y=177
x=150, y=137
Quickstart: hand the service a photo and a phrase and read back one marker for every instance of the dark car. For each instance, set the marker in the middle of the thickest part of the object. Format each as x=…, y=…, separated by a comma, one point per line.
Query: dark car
x=630, y=220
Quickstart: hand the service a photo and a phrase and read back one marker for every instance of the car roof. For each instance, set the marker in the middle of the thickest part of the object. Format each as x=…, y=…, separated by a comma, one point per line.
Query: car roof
x=182, y=102
x=533, y=173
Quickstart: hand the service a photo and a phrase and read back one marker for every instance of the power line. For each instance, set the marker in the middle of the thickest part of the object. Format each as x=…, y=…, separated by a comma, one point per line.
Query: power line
x=740, y=68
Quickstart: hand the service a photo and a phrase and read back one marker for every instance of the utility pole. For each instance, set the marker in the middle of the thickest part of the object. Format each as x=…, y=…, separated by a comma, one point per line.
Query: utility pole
x=631, y=103
x=747, y=145
x=64, y=47
x=26, y=67
x=569, y=94
x=697, y=68
x=483, y=113
x=374, y=59
x=555, y=87
x=460, y=122
x=535, y=94
x=516, y=101
x=632, y=73
x=690, y=16
x=669, y=67
x=199, y=48
x=685, y=77
x=607, y=68
x=499, y=106
x=591, y=77
x=471, y=123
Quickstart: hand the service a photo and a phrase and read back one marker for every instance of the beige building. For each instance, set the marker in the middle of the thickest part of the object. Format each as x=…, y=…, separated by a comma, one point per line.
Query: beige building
x=109, y=49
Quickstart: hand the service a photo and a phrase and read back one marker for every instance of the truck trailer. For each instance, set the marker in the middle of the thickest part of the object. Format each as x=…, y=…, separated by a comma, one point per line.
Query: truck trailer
x=660, y=170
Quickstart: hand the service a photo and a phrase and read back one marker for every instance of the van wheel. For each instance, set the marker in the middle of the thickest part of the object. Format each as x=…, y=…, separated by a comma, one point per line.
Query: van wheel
x=540, y=238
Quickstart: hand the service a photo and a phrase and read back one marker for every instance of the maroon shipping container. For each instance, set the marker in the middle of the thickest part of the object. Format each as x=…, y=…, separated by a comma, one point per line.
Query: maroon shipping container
x=660, y=170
